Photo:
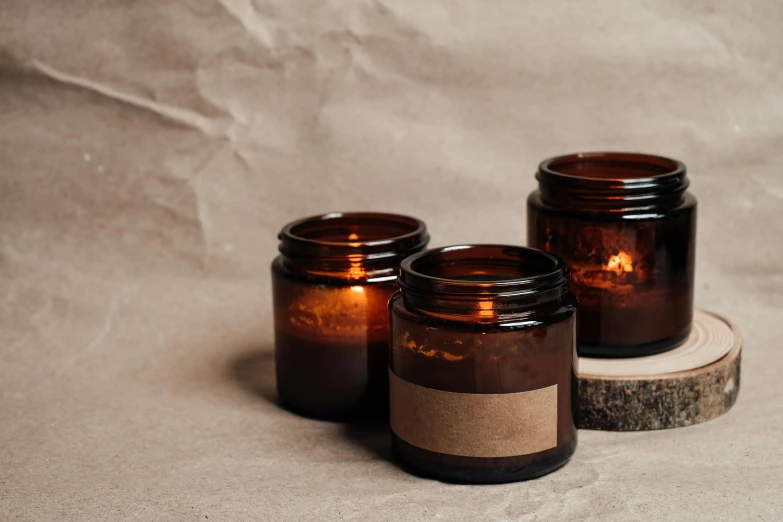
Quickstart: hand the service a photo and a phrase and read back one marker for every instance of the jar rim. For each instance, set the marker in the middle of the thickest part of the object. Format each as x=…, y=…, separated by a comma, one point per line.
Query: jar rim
x=625, y=182
x=618, y=170
x=328, y=236
x=536, y=271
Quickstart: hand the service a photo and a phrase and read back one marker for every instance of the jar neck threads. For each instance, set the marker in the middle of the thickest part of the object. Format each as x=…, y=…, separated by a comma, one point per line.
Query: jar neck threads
x=351, y=246
x=482, y=283
x=612, y=181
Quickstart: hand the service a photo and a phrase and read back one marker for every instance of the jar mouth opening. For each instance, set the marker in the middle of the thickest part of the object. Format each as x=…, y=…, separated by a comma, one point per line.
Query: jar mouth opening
x=621, y=181
x=362, y=234
x=482, y=269
x=612, y=166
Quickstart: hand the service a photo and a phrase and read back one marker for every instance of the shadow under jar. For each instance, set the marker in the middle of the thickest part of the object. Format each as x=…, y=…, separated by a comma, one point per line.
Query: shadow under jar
x=482, y=368
x=331, y=286
x=626, y=227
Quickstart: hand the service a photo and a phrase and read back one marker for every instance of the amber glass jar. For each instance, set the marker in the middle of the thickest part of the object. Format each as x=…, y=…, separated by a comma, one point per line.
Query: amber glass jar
x=331, y=284
x=482, y=367
x=626, y=228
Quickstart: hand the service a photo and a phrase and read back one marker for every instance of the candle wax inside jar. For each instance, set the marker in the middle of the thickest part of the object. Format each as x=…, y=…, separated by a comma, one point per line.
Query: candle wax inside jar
x=332, y=348
x=631, y=279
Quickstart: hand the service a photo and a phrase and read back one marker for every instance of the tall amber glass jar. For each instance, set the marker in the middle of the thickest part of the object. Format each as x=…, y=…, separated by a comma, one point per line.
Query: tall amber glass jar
x=482, y=369
x=331, y=284
x=626, y=228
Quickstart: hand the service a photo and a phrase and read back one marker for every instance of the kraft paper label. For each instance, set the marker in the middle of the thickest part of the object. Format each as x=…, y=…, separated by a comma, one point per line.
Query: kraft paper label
x=471, y=424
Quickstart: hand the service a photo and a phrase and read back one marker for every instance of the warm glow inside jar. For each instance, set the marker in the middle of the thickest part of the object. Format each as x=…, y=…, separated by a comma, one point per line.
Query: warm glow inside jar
x=331, y=283
x=482, y=368
x=626, y=228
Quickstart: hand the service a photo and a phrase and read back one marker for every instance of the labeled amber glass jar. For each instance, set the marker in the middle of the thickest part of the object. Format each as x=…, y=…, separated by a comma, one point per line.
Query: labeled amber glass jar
x=482, y=368
x=626, y=227
x=331, y=285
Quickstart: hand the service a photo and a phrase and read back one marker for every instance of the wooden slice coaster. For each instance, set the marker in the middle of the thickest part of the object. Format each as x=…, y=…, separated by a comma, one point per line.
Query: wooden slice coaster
x=693, y=383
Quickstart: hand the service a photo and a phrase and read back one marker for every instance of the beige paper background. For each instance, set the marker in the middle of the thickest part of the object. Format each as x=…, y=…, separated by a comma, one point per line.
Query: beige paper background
x=152, y=149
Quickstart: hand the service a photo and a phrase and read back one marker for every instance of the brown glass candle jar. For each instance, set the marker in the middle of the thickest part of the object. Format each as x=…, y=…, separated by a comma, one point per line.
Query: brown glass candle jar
x=331, y=284
x=482, y=367
x=626, y=228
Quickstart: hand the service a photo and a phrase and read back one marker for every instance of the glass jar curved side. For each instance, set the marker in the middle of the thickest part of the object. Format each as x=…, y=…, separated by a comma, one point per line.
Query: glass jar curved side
x=506, y=357
x=331, y=344
x=632, y=272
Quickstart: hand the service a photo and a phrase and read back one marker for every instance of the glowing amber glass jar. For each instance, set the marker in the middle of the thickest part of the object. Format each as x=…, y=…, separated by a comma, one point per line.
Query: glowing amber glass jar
x=626, y=228
x=482, y=367
x=331, y=285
